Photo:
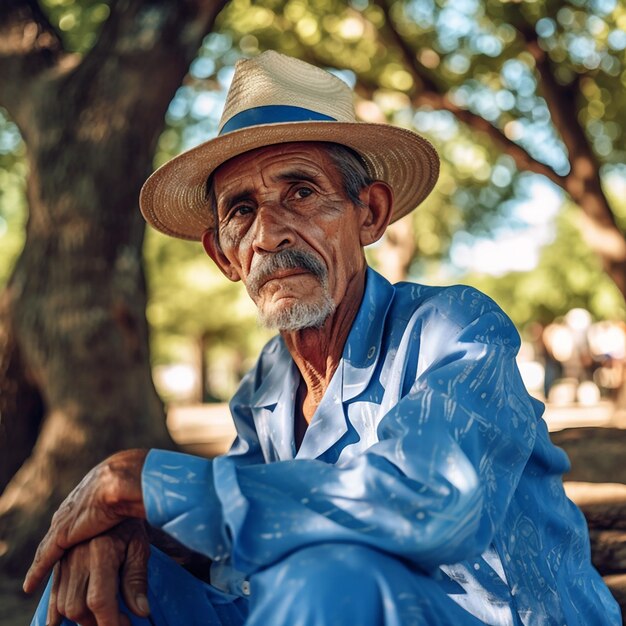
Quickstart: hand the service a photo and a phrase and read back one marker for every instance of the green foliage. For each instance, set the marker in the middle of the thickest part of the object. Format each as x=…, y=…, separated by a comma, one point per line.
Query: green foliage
x=475, y=52
x=588, y=42
x=77, y=21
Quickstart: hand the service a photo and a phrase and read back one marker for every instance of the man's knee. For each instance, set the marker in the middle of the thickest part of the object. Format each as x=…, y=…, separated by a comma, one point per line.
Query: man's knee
x=330, y=584
x=324, y=584
x=330, y=569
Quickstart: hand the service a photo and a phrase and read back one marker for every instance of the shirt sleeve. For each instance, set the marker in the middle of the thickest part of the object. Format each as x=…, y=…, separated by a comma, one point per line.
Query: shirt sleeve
x=434, y=488
x=180, y=498
x=179, y=491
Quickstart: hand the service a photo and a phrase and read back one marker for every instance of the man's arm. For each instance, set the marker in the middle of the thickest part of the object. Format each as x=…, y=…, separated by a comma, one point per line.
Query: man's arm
x=109, y=494
x=433, y=489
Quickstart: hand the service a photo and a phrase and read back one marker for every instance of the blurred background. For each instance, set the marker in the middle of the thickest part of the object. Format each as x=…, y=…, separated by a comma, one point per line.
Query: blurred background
x=524, y=100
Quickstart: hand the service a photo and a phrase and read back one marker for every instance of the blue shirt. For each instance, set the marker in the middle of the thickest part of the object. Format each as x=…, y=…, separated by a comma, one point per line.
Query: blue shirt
x=426, y=445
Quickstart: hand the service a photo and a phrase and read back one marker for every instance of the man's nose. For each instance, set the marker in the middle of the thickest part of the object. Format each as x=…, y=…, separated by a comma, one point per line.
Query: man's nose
x=272, y=232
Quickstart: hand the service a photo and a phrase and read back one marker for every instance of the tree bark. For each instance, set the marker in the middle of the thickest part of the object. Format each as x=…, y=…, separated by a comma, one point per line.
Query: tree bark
x=18, y=397
x=74, y=335
x=583, y=182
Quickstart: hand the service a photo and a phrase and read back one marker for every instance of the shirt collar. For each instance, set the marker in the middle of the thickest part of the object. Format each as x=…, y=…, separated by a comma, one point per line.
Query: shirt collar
x=362, y=349
x=279, y=378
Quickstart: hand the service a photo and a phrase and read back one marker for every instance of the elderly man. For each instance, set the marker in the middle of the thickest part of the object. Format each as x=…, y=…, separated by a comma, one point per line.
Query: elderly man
x=390, y=468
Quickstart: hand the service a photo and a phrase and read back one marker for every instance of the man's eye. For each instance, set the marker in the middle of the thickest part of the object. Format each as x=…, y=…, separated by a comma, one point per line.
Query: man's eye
x=241, y=210
x=303, y=192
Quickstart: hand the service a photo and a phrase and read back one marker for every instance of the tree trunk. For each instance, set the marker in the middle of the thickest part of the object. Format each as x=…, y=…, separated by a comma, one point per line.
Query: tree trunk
x=73, y=335
x=76, y=309
x=18, y=397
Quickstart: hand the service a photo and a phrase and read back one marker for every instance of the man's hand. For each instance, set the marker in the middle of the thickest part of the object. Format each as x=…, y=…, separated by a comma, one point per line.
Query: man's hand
x=110, y=493
x=87, y=578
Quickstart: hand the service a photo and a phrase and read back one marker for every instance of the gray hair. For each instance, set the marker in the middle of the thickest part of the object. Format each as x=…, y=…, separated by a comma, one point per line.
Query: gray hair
x=349, y=164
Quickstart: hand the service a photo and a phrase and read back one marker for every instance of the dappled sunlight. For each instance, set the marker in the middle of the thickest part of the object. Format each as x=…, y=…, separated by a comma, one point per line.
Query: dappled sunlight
x=483, y=217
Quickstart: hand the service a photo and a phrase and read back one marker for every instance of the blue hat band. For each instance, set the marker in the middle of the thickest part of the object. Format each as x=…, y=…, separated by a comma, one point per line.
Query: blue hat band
x=272, y=114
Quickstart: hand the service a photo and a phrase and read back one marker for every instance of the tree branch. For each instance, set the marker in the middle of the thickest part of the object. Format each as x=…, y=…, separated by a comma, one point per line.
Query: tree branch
x=600, y=228
x=583, y=182
x=140, y=58
x=420, y=73
x=440, y=102
x=437, y=97
x=141, y=37
x=29, y=45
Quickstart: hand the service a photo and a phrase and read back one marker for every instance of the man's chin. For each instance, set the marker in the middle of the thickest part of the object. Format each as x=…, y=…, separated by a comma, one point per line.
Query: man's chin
x=296, y=315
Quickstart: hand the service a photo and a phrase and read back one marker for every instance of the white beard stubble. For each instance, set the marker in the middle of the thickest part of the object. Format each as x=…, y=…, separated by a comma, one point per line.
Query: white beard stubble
x=299, y=315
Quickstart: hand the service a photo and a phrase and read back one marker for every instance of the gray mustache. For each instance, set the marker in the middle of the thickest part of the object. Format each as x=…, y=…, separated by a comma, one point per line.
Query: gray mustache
x=284, y=260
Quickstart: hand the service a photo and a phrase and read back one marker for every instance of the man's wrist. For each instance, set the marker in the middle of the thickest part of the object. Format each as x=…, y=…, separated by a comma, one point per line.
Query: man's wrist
x=122, y=476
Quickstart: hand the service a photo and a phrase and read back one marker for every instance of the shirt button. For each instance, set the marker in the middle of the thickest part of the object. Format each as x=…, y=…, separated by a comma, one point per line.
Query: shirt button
x=245, y=588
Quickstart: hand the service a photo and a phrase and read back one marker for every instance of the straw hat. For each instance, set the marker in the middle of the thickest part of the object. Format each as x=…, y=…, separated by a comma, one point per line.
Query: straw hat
x=276, y=99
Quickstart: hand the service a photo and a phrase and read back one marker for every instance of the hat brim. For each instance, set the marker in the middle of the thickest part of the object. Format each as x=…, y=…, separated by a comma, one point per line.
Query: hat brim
x=174, y=199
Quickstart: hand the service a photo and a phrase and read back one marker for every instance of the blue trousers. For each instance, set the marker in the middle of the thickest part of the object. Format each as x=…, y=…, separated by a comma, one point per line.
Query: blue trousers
x=322, y=585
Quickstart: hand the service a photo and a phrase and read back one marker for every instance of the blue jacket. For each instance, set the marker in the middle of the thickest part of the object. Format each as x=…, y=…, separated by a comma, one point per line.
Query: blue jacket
x=426, y=445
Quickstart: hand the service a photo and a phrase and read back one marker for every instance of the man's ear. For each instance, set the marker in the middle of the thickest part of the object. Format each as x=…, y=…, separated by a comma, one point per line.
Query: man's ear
x=213, y=249
x=377, y=200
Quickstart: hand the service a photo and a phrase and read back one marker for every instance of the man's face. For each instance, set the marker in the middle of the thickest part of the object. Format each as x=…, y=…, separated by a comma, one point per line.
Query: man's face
x=288, y=231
